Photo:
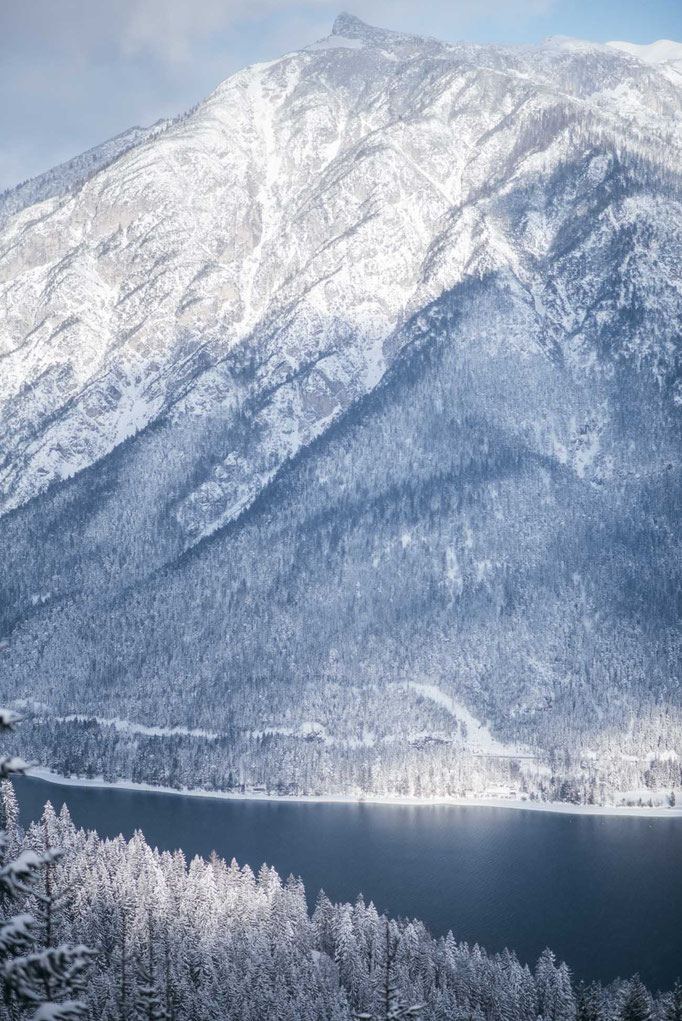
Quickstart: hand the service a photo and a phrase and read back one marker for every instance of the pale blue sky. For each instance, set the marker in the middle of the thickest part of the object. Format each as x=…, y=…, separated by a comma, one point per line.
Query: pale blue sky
x=75, y=72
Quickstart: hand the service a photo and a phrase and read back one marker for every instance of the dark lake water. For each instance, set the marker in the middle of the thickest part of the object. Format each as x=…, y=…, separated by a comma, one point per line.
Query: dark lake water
x=604, y=892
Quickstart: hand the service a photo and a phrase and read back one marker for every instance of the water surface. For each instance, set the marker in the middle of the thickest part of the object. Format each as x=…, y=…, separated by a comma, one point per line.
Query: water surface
x=605, y=892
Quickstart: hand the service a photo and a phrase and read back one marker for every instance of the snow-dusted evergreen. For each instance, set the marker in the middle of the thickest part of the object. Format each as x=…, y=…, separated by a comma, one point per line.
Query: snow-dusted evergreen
x=340, y=431
x=40, y=978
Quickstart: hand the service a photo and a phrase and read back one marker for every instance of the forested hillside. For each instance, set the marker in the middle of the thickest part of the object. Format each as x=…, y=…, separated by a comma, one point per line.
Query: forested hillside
x=421, y=566
x=341, y=432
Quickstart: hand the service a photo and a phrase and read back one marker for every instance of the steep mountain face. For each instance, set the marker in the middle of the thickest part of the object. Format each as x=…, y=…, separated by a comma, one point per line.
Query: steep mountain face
x=341, y=427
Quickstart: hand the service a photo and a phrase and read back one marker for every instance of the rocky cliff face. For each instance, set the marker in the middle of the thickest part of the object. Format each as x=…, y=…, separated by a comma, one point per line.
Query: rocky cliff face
x=378, y=268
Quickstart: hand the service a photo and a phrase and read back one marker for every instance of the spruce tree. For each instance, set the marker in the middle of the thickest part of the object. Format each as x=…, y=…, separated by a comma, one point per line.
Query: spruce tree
x=393, y=1007
x=589, y=1006
x=636, y=1005
x=50, y=980
x=9, y=817
x=149, y=1001
x=673, y=1010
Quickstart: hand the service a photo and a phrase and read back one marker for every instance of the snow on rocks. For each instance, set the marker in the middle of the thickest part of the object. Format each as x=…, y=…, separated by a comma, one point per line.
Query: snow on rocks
x=294, y=213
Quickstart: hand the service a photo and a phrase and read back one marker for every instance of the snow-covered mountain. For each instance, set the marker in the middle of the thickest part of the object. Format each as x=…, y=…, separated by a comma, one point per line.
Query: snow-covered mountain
x=337, y=190
x=72, y=174
x=378, y=266
x=663, y=51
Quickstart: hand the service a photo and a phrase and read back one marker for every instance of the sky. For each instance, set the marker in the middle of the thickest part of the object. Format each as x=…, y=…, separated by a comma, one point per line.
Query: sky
x=76, y=72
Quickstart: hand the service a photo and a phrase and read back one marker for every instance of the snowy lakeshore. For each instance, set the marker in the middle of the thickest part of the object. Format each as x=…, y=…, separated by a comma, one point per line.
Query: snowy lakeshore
x=653, y=812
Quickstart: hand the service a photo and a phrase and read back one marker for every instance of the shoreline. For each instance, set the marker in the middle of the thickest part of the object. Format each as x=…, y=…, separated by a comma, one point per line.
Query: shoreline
x=515, y=804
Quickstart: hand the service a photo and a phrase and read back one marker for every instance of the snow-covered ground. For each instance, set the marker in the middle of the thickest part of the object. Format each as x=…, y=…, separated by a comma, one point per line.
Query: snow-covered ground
x=127, y=727
x=658, y=811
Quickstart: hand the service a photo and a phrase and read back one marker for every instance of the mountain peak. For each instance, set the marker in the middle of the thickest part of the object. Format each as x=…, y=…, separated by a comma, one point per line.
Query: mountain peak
x=358, y=32
x=350, y=27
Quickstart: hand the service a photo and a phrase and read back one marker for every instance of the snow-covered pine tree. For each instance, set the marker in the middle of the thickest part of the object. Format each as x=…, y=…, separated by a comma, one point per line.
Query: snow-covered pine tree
x=149, y=1002
x=637, y=1003
x=555, y=994
x=673, y=1010
x=393, y=1008
x=9, y=817
x=589, y=1005
x=49, y=980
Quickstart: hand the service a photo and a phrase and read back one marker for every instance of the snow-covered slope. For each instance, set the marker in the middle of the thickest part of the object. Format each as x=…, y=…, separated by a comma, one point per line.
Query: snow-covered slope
x=417, y=306
x=306, y=208
x=663, y=51
x=665, y=55
x=74, y=172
